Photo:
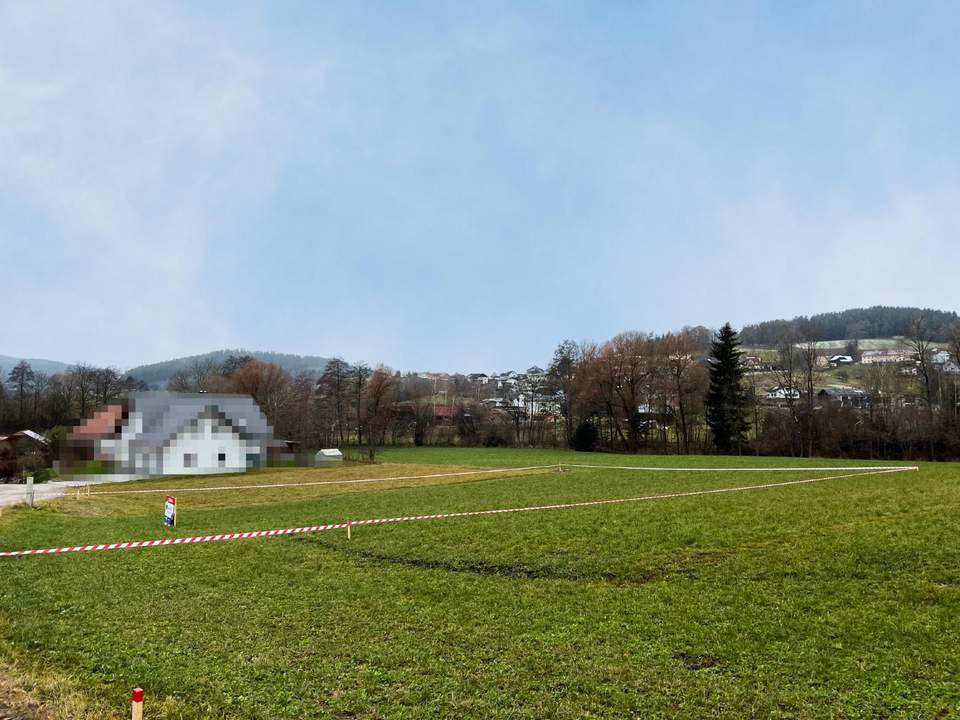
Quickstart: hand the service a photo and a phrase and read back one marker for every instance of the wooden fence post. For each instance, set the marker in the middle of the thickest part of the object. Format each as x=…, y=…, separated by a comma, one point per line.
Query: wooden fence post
x=137, y=708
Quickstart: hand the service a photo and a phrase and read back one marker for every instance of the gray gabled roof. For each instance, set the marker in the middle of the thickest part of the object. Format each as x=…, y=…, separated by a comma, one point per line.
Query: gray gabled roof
x=164, y=414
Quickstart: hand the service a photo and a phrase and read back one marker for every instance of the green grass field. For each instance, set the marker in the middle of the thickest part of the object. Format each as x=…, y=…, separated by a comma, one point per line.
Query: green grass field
x=834, y=599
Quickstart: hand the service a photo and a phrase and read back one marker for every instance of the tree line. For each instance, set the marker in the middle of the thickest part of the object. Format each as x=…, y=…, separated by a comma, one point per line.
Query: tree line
x=680, y=392
x=35, y=399
x=638, y=392
x=855, y=324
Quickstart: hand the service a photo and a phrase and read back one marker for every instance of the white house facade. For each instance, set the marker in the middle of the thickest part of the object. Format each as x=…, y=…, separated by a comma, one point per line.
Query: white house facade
x=783, y=393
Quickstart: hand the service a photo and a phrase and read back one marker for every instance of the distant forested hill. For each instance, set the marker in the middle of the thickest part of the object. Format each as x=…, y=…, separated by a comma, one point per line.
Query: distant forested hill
x=50, y=367
x=158, y=374
x=878, y=321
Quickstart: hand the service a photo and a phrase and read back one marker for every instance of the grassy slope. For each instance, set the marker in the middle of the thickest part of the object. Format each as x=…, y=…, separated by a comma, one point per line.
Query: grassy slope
x=839, y=599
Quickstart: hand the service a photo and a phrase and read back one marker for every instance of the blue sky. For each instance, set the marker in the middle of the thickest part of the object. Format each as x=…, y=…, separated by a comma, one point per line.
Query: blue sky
x=446, y=187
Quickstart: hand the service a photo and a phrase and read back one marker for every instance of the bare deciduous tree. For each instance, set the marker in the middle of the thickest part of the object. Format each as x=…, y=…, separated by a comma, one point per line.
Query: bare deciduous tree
x=82, y=381
x=563, y=374
x=809, y=355
x=683, y=379
x=333, y=395
x=267, y=383
x=376, y=408
x=919, y=342
x=628, y=369
x=40, y=383
x=107, y=385
x=21, y=378
x=788, y=372
x=418, y=395
x=359, y=375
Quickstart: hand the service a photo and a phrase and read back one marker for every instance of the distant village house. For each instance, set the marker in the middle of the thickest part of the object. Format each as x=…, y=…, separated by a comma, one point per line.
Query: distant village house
x=845, y=396
x=838, y=360
x=869, y=357
x=781, y=392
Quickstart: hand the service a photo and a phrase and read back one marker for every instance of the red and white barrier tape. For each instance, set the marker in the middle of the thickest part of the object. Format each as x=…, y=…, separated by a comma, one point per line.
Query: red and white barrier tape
x=848, y=468
x=167, y=491
x=410, y=518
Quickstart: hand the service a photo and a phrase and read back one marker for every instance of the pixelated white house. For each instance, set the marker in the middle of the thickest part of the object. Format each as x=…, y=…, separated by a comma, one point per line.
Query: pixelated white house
x=168, y=433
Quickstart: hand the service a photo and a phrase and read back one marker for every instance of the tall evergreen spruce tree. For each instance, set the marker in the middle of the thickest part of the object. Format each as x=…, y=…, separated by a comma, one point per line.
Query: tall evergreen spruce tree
x=726, y=399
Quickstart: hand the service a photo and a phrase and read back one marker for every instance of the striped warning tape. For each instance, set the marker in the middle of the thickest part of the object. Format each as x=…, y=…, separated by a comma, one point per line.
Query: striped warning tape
x=846, y=468
x=311, y=483
x=411, y=518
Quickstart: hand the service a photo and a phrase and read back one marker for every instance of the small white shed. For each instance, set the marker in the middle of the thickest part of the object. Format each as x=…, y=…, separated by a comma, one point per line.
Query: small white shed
x=329, y=456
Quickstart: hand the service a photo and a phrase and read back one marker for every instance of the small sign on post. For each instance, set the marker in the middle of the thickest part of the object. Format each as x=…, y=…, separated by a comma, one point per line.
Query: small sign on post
x=170, y=511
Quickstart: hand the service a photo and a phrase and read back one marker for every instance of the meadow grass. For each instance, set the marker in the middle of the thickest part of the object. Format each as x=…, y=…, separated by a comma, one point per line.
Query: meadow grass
x=836, y=599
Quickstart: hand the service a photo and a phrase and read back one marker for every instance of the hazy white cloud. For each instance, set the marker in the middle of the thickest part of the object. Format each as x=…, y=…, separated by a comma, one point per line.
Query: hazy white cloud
x=140, y=146
x=460, y=188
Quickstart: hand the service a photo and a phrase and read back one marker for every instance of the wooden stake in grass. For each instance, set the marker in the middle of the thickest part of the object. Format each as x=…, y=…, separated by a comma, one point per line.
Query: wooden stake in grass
x=348, y=529
x=137, y=709
x=30, y=490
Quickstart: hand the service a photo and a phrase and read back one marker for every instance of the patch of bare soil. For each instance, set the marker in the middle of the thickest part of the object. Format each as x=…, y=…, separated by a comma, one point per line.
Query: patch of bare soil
x=693, y=661
x=39, y=695
x=15, y=704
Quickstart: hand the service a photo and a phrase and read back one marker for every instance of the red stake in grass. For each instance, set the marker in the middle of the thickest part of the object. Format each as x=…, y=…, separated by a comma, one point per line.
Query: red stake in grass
x=137, y=713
